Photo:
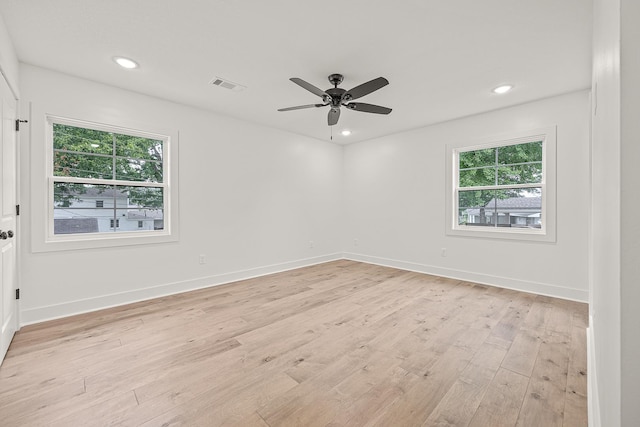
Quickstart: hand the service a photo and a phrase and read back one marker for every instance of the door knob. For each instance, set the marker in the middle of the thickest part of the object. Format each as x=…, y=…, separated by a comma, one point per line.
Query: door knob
x=3, y=235
x=10, y=233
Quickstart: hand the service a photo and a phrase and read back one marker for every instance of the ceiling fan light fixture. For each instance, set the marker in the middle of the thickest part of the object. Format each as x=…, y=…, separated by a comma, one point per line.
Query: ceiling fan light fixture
x=127, y=63
x=502, y=89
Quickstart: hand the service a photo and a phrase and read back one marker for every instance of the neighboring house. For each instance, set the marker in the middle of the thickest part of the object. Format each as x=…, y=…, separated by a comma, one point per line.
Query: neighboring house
x=98, y=210
x=511, y=212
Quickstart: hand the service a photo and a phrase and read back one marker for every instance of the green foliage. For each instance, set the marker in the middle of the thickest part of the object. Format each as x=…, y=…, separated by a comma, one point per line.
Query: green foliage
x=149, y=197
x=499, y=166
x=64, y=194
x=520, y=153
x=477, y=158
x=94, y=154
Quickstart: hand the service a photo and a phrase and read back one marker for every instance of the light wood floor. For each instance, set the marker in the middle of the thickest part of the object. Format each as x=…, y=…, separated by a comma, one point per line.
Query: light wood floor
x=337, y=344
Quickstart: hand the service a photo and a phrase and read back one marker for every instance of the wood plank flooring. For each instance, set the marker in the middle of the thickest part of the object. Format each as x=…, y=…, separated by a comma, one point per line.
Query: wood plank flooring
x=336, y=344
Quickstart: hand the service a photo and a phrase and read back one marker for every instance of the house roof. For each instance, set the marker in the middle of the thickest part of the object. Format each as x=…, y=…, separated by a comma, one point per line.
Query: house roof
x=524, y=205
x=145, y=214
x=97, y=193
x=75, y=225
x=516, y=203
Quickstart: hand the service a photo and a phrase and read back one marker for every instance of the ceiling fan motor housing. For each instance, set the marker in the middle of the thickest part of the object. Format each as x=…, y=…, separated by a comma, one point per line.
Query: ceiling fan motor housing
x=336, y=95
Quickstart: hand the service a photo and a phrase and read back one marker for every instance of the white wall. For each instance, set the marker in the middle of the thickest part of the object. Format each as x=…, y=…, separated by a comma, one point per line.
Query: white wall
x=251, y=199
x=8, y=59
x=395, y=202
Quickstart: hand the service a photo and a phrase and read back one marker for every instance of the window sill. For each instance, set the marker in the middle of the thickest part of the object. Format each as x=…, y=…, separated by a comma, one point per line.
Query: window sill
x=102, y=240
x=508, y=233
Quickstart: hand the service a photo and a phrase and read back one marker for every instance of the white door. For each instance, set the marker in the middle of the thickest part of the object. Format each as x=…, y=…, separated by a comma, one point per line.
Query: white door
x=8, y=177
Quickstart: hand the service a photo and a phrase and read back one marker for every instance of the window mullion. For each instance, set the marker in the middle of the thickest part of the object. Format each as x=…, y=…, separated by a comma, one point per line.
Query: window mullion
x=115, y=187
x=496, y=167
x=506, y=164
x=495, y=202
x=97, y=181
x=501, y=187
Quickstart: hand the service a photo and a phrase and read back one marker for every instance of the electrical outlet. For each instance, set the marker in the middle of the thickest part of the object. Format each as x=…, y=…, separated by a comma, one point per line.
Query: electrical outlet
x=443, y=252
x=201, y=259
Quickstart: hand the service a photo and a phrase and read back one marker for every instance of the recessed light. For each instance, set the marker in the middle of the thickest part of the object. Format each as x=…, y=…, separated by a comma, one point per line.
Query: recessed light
x=125, y=62
x=346, y=132
x=503, y=89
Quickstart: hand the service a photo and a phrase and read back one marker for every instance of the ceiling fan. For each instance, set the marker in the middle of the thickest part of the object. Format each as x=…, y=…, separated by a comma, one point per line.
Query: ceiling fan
x=336, y=97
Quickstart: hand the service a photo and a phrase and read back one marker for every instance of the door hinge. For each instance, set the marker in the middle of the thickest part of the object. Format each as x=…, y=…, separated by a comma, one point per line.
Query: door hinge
x=18, y=293
x=18, y=121
x=17, y=210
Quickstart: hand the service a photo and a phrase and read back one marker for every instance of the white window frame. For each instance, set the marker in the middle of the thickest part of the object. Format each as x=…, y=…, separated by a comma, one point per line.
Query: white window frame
x=43, y=237
x=547, y=233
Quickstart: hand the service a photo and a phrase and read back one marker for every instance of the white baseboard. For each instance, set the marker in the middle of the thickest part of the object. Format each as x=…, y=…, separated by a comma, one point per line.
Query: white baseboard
x=41, y=314
x=485, y=279
x=50, y=312
x=592, y=380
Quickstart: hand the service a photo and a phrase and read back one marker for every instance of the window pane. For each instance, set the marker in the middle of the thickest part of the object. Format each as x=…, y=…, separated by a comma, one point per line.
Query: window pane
x=75, y=210
x=520, y=174
x=520, y=153
x=516, y=208
x=138, y=170
x=82, y=140
x=472, y=207
x=137, y=147
x=136, y=158
x=146, y=205
x=478, y=177
x=66, y=195
x=477, y=158
x=144, y=197
x=82, y=165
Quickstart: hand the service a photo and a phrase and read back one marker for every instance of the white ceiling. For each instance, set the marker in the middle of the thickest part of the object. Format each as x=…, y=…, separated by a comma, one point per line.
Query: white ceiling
x=442, y=58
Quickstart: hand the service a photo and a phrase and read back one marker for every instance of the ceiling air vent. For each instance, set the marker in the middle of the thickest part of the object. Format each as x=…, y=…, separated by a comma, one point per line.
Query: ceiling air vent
x=219, y=81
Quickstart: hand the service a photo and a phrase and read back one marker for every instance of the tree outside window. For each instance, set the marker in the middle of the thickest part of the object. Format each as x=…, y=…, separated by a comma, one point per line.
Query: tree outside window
x=101, y=177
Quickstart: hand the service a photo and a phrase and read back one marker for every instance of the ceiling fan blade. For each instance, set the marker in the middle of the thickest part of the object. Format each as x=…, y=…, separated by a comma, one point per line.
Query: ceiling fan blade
x=334, y=115
x=308, y=86
x=365, y=88
x=300, y=107
x=368, y=108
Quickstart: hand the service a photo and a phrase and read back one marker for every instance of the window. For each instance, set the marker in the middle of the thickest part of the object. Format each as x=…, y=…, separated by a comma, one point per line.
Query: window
x=504, y=188
x=103, y=180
